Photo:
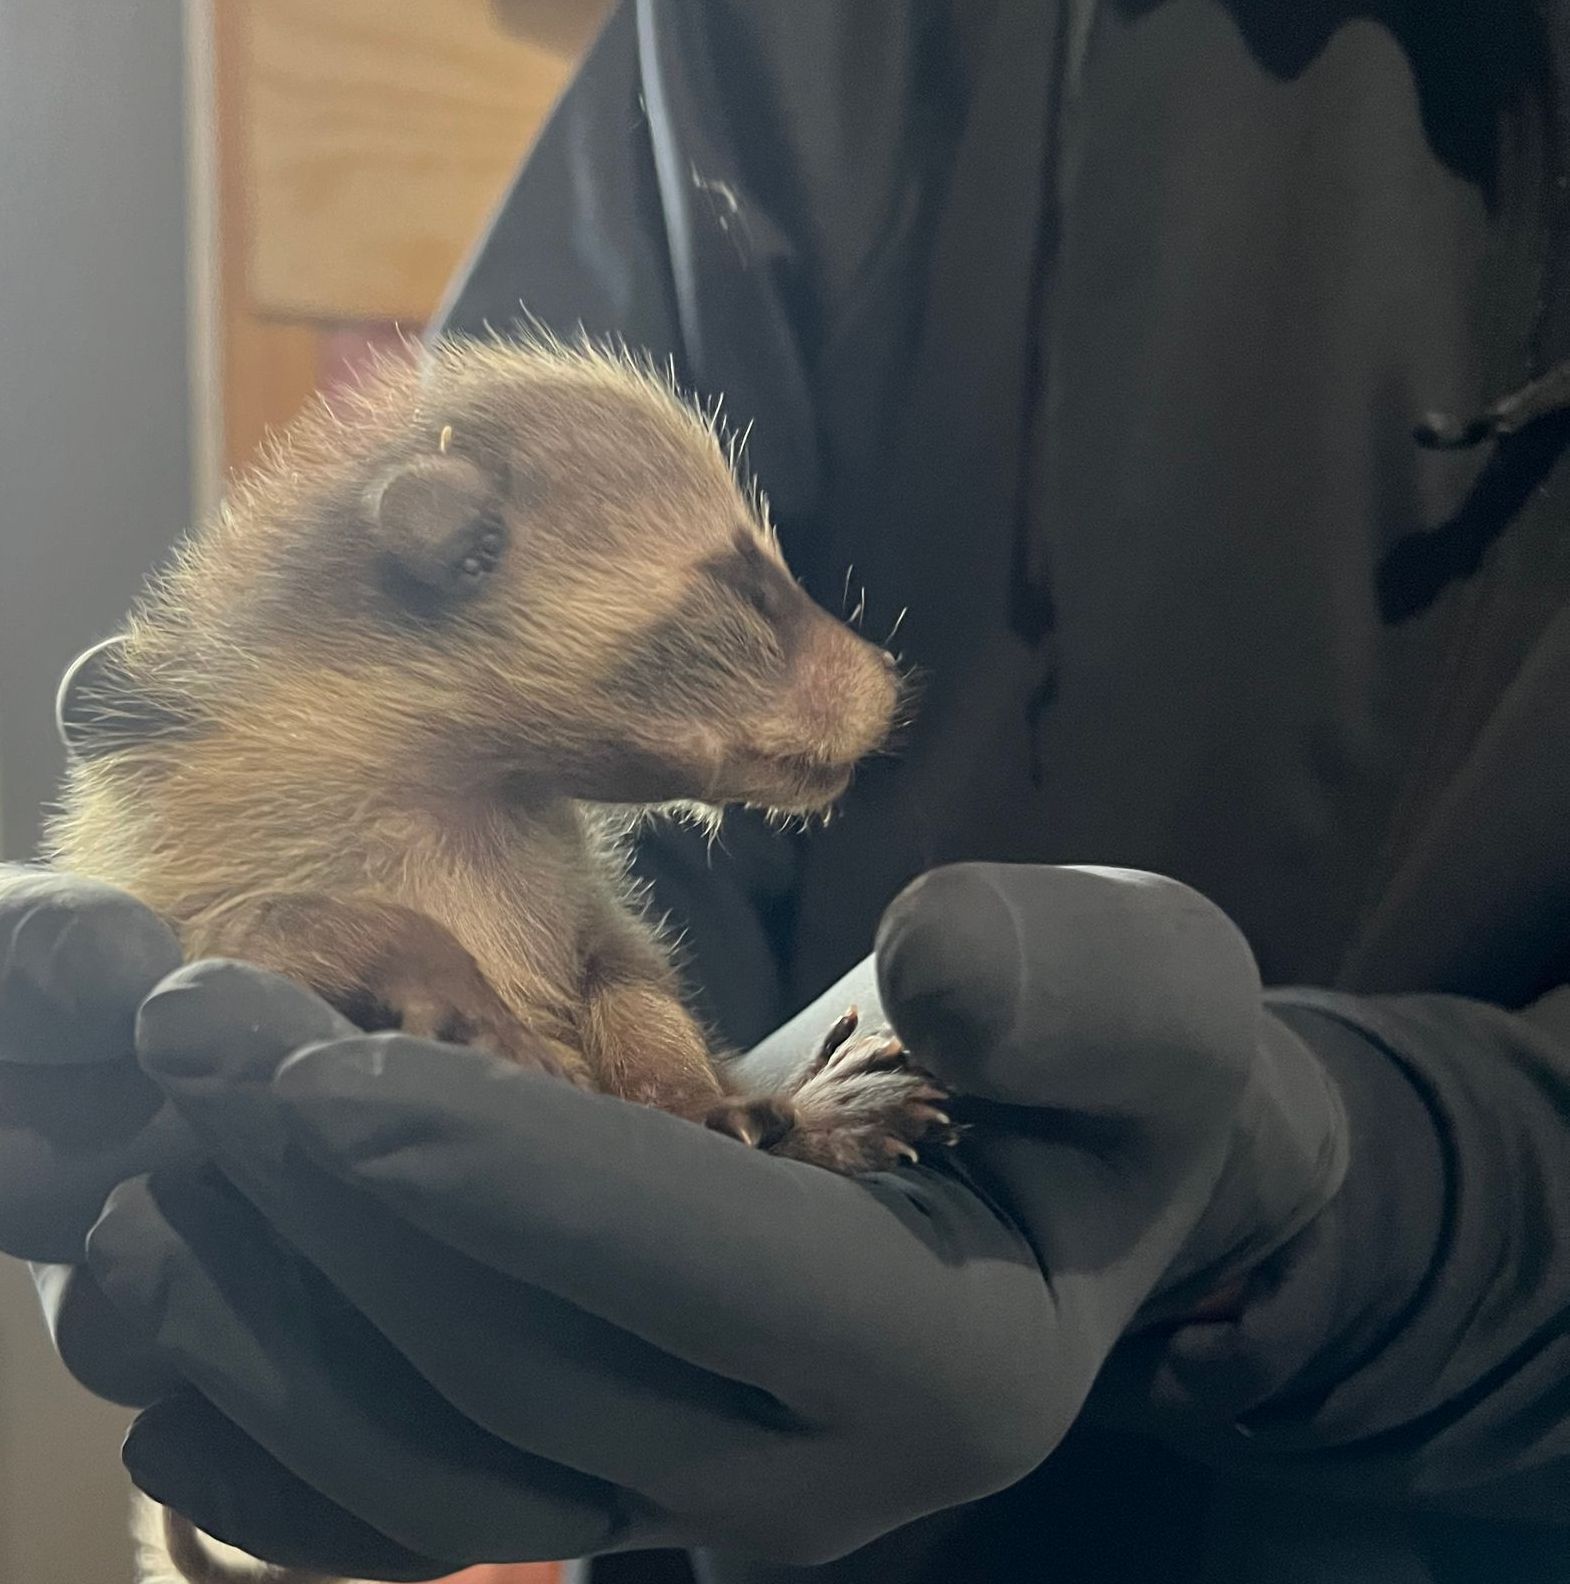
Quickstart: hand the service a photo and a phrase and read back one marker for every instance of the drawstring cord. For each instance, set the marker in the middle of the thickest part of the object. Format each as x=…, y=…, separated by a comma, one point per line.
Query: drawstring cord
x=1033, y=614
x=1540, y=398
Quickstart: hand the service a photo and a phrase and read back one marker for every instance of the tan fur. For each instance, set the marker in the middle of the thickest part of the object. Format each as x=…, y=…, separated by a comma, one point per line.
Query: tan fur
x=433, y=813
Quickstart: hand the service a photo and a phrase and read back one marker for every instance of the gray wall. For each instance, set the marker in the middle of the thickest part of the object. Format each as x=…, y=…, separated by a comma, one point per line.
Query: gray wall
x=94, y=472
x=65, y=1515
x=94, y=449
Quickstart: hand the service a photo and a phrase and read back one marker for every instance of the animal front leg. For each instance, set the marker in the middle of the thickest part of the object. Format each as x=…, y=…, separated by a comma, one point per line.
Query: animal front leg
x=384, y=967
x=858, y=1107
x=644, y=1046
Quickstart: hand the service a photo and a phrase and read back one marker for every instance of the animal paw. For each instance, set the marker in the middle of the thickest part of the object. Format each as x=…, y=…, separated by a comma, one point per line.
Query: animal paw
x=758, y=1121
x=859, y=1107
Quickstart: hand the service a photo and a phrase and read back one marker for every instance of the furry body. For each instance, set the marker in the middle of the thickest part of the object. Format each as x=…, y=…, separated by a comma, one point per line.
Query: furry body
x=388, y=722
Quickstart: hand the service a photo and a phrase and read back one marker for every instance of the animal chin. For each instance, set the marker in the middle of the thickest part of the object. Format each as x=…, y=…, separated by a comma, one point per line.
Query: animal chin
x=794, y=783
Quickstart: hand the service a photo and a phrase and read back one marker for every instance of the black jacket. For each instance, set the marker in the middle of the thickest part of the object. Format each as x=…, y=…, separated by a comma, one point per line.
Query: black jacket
x=1097, y=338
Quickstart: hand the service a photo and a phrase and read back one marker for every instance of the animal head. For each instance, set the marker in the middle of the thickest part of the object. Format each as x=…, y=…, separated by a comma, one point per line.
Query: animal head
x=517, y=563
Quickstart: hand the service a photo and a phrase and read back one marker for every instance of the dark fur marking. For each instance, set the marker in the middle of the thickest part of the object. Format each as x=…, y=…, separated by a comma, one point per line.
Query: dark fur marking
x=706, y=641
x=759, y=582
x=716, y=626
x=714, y=632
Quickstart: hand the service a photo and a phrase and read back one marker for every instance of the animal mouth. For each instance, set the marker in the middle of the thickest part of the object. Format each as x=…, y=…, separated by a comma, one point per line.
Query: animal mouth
x=803, y=781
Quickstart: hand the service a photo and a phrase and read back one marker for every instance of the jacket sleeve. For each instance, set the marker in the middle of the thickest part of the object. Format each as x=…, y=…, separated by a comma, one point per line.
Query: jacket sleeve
x=1413, y=1344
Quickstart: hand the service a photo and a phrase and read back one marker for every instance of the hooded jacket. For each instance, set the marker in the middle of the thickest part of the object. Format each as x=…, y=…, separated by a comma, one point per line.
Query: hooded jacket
x=1186, y=378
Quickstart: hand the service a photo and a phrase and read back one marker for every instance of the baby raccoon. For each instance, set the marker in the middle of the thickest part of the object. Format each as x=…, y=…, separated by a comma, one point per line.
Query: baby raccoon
x=389, y=721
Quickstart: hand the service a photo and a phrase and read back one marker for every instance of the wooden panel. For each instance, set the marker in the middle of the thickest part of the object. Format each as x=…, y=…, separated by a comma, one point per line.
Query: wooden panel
x=267, y=369
x=517, y=1573
x=566, y=27
x=379, y=138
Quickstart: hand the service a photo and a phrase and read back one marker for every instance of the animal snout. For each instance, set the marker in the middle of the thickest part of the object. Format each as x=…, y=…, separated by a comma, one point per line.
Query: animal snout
x=850, y=690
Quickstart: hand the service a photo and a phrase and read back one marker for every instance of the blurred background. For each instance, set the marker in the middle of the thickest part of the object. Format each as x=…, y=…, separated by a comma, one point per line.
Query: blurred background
x=210, y=210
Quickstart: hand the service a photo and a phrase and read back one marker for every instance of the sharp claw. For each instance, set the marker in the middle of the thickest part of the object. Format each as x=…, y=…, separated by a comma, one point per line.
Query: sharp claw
x=907, y=1153
x=842, y=1029
x=729, y=1123
x=834, y=1040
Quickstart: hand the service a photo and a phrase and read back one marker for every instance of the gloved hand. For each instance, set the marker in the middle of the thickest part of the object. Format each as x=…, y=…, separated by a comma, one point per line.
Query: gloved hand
x=433, y=1310
x=77, y=1115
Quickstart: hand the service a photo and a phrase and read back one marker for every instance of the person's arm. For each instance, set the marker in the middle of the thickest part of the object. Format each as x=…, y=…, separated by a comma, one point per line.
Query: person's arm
x=1413, y=1343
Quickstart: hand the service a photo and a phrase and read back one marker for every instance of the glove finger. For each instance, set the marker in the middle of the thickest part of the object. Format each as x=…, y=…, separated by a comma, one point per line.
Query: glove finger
x=184, y=1454
x=275, y=1349
x=76, y=1116
x=96, y=1344
x=1107, y=993
x=76, y=960
x=66, y=1139
x=526, y=1365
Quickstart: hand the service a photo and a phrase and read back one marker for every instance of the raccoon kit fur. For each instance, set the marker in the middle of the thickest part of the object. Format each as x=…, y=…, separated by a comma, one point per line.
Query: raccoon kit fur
x=388, y=722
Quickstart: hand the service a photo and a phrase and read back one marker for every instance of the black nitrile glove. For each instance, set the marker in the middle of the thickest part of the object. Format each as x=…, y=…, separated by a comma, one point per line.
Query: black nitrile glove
x=436, y=1310
x=77, y=1115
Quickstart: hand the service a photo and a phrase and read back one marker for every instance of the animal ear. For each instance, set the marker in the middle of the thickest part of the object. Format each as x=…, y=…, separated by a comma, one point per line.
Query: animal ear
x=98, y=710
x=440, y=525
